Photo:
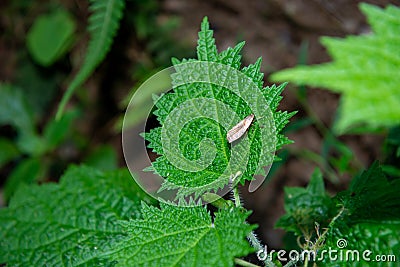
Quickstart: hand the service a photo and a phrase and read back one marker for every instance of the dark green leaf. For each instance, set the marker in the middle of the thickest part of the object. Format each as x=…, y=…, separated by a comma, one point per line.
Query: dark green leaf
x=370, y=239
x=372, y=197
x=15, y=111
x=74, y=223
x=56, y=130
x=8, y=151
x=306, y=206
x=38, y=86
x=27, y=171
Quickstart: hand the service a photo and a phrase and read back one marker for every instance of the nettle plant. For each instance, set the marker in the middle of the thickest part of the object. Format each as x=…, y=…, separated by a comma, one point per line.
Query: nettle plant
x=94, y=218
x=365, y=218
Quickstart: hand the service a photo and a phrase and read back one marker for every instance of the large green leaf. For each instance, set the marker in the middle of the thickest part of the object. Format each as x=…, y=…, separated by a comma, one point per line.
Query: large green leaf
x=96, y=219
x=365, y=70
x=372, y=197
x=182, y=236
x=365, y=244
x=74, y=223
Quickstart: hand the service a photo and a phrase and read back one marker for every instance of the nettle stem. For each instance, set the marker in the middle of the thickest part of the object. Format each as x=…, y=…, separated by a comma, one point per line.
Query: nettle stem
x=245, y=263
x=252, y=237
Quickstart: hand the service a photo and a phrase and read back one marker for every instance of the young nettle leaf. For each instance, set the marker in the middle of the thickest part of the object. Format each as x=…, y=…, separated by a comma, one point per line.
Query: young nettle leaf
x=74, y=223
x=201, y=153
x=306, y=206
x=364, y=217
x=365, y=70
x=183, y=236
x=100, y=219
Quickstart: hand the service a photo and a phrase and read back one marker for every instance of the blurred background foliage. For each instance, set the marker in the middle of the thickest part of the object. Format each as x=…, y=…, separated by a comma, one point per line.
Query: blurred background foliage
x=42, y=46
x=43, y=43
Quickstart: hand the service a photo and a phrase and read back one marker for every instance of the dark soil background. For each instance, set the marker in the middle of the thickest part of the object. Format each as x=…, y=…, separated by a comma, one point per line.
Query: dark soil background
x=274, y=29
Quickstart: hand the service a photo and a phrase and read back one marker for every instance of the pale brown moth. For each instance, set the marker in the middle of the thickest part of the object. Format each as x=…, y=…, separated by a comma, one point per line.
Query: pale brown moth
x=239, y=129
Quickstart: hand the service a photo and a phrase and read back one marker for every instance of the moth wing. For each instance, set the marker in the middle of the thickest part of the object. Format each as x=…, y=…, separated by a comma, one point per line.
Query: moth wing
x=239, y=129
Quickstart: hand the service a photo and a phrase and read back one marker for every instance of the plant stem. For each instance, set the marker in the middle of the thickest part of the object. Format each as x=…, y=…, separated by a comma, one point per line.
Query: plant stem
x=318, y=243
x=236, y=197
x=253, y=240
x=290, y=263
x=245, y=263
x=321, y=238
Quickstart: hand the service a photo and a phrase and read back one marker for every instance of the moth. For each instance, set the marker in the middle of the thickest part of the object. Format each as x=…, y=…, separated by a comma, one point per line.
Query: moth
x=239, y=129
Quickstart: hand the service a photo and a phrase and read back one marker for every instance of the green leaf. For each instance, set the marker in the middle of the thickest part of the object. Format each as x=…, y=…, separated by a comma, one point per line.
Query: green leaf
x=371, y=217
x=8, y=151
x=391, y=170
x=365, y=70
x=379, y=239
x=50, y=37
x=95, y=219
x=15, y=111
x=364, y=217
x=193, y=135
x=28, y=171
x=56, y=130
x=38, y=85
x=206, y=49
x=103, y=25
x=306, y=206
x=183, y=236
x=74, y=223
x=316, y=184
x=371, y=197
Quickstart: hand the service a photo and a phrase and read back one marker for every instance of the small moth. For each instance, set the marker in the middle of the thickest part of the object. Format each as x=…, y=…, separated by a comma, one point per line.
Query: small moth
x=239, y=129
